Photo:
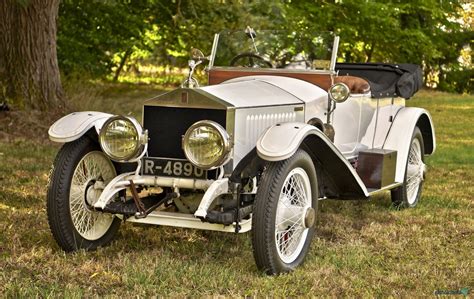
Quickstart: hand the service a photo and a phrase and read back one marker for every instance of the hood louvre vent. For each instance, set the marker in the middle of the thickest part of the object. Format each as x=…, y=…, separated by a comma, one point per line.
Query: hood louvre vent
x=257, y=123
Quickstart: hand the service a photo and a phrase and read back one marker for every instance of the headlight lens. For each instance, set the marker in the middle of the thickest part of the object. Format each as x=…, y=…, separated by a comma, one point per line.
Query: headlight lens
x=121, y=138
x=339, y=92
x=206, y=144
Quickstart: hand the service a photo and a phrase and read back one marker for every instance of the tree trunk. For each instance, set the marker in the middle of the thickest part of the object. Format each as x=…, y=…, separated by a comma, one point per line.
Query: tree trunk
x=29, y=72
x=122, y=64
x=370, y=52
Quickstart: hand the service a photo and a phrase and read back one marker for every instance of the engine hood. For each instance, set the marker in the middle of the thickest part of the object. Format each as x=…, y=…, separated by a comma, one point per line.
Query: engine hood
x=245, y=92
x=269, y=90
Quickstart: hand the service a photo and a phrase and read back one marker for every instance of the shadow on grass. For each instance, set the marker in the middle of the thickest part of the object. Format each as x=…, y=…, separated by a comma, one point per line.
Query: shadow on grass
x=338, y=217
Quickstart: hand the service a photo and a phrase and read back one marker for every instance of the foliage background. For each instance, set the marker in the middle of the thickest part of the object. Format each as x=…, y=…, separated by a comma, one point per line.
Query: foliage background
x=103, y=38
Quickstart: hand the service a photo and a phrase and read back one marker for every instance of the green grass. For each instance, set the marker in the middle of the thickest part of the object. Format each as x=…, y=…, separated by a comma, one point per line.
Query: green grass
x=363, y=248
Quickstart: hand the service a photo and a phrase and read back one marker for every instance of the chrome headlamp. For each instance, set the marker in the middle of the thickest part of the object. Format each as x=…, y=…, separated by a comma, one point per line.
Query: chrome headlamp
x=207, y=145
x=122, y=138
x=339, y=92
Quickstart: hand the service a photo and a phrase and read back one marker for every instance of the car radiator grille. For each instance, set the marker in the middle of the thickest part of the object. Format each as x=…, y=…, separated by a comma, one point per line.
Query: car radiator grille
x=167, y=125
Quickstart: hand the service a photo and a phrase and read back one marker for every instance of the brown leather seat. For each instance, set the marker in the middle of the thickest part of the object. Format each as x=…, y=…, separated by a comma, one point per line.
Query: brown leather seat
x=355, y=84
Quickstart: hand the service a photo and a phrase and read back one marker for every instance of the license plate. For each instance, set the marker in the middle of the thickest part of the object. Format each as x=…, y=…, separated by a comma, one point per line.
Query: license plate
x=172, y=168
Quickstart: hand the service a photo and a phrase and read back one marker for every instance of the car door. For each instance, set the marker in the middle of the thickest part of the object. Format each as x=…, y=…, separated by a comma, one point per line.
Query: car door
x=349, y=119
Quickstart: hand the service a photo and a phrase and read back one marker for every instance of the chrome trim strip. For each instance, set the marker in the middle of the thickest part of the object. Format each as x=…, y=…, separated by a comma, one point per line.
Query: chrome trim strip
x=197, y=98
x=391, y=186
x=230, y=128
x=335, y=47
x=213, y=51
x=268, y=70
x=360, y=95
x=189, y=221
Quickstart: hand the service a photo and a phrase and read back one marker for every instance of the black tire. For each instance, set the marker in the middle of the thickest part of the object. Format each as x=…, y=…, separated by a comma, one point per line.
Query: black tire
x=58, y=198
x=400, y=196
x=264, y=217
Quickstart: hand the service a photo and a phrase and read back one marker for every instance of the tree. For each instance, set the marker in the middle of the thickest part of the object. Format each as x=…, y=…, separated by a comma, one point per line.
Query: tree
x=92, y=32
x=425, y=32
x=101, y=38
x=96, y=36
x=184, y=24
x=29, y=73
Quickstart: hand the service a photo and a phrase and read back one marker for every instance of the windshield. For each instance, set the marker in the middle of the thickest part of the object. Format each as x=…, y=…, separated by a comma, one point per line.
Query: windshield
x=274, y=49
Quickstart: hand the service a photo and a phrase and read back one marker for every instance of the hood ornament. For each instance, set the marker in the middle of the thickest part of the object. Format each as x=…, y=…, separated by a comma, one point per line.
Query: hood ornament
x=197, y=57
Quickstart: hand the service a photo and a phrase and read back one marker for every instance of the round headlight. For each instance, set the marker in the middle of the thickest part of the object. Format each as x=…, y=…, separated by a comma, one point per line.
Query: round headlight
x=121, y=138
x=206, y=144
x=339, y=92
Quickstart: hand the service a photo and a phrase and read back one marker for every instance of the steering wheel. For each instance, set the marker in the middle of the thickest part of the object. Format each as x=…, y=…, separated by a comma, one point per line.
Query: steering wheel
x=250, y=60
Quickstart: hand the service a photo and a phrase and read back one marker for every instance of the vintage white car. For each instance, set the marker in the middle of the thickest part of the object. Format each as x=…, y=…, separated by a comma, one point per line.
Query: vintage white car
x=280, y=126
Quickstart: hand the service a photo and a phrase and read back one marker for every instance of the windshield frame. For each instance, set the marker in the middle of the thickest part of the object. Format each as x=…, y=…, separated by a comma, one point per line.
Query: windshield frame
x=330, y=71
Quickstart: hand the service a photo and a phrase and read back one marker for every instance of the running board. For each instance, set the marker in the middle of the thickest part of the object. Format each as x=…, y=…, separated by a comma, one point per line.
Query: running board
x=388, y=187
x=189, y=221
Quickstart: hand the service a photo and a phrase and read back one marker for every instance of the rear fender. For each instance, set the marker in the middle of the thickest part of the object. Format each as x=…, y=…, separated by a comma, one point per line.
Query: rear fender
x=401, y=131
x=281, y=141
x=76, y=124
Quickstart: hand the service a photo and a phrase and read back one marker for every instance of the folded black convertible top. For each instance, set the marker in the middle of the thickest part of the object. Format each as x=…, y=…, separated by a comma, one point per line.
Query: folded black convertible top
x=386, y=80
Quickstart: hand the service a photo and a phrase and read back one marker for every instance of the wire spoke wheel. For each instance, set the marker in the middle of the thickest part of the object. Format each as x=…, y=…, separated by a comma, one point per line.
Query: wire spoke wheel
x=93, y=170
x=290, y=230
x=80, y=173
x=284, y=214
x=415, y=171
x=409, y=193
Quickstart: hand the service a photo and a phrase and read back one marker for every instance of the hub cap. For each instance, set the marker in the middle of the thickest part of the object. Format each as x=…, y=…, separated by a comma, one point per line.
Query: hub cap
x=310, y=217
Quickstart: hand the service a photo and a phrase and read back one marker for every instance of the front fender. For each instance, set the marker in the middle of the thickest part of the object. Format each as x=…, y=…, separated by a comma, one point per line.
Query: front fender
x=76, y=124
x=281, y=141
x=399, y=137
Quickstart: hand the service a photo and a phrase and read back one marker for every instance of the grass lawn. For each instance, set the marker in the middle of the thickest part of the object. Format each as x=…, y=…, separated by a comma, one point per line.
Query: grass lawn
x=363, y=248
